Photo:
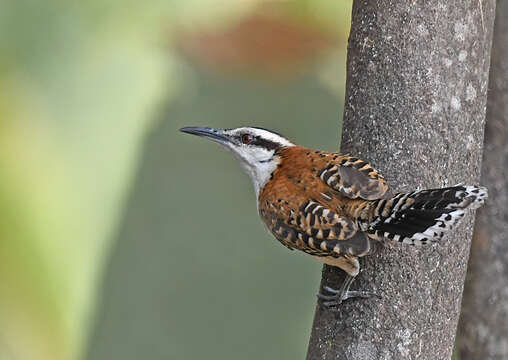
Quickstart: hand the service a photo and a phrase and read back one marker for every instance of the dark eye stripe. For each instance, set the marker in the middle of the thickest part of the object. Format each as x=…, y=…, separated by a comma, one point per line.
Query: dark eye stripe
x=267, y=144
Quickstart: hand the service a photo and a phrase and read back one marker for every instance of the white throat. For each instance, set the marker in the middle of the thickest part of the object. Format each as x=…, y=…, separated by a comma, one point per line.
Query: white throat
x=261, y=172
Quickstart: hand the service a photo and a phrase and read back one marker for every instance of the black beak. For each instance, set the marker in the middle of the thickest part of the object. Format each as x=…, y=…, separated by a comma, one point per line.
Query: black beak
x=216, y=135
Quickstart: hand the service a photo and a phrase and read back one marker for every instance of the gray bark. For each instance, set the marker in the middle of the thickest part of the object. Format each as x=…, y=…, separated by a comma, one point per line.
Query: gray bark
x=483, y=328
x=415, y=107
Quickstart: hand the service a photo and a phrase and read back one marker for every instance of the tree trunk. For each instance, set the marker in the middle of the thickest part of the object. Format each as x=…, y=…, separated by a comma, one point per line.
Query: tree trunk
x=483, y=328
x=415, y=107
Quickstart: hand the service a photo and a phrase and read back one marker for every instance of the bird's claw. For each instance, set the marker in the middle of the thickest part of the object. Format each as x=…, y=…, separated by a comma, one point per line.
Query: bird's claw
x=337, y=297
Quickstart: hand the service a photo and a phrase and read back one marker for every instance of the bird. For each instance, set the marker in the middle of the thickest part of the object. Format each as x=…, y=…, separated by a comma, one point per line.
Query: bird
x=336, y=207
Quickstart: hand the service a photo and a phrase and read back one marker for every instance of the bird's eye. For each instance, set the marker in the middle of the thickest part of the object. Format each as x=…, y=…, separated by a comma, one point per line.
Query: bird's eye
x=246, y=138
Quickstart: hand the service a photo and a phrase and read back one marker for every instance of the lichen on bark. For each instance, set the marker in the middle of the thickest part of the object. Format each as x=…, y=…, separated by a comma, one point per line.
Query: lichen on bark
x=483, y=328
x=417, y=78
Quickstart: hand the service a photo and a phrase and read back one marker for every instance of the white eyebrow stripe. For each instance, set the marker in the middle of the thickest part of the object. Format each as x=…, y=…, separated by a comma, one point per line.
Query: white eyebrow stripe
x=265, y=134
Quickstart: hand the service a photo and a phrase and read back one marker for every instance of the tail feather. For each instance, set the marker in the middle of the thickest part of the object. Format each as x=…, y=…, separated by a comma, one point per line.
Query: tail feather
x=423, y=216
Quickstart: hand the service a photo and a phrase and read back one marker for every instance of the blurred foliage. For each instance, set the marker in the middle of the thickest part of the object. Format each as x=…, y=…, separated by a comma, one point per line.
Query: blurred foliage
x=76, y=97
x=80, y=82
x=194, y=273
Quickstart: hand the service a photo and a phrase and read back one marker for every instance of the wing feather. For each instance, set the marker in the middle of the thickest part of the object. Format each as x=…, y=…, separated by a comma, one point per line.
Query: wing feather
x=354, y=178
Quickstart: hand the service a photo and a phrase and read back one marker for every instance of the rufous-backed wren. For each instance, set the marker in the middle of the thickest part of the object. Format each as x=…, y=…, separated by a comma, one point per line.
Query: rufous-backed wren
x=335, y=207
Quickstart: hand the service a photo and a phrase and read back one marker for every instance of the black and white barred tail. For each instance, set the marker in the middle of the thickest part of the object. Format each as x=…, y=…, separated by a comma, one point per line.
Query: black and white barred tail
x=423, y=216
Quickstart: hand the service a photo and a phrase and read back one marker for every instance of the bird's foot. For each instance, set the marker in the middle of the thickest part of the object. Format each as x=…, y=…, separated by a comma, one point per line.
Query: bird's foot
x=336, y=297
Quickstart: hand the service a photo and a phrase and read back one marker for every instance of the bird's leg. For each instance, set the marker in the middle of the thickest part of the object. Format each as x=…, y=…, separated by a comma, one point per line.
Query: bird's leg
x=338, y=296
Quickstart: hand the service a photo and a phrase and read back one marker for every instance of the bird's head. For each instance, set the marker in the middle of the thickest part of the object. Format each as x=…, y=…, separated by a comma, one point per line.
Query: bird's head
x=255, y=148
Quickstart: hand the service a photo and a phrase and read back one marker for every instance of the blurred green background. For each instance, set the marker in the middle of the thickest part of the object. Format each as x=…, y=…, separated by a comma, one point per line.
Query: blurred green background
x=121, y=238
